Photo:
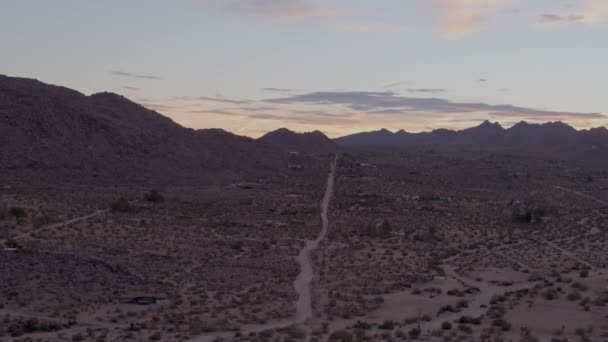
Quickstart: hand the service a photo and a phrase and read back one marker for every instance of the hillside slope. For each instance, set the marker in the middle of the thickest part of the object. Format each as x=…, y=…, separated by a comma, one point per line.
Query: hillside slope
x=310, y=142
x=54, y=133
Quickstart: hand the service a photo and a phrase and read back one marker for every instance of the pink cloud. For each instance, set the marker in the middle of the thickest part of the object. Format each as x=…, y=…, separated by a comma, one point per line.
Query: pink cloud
x=459, y=18
x=283, y=10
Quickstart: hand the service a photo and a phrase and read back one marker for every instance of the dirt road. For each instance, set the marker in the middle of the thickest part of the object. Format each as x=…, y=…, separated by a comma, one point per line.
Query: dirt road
x=302, y=283
x=303, y=280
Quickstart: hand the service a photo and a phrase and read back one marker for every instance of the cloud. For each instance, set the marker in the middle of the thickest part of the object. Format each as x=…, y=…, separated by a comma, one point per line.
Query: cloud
x=395, y=85
x=212, y=99
x=281, y=90
x=378, y=27
x=282, y=10
x=555, y=18
x=426, y=90
x=131, y=88
x=459, y=18
x=595, y=11
x=374, y=103
x=589, y=12
x=257, y=109
x=134, y=76
x=305, y=11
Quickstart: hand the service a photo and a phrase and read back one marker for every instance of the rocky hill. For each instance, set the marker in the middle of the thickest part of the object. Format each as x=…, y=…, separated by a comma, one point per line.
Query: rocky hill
x=309, y=142
x=551, y=139
x=54, y=133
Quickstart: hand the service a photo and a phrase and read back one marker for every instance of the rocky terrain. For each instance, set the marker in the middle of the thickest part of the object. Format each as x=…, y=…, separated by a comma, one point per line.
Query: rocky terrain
x=54, y=133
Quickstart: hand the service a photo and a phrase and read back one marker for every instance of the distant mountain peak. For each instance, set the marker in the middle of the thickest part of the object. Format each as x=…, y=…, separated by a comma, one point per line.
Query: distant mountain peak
x=548, y=136
x=315, y=141
x=488, y=124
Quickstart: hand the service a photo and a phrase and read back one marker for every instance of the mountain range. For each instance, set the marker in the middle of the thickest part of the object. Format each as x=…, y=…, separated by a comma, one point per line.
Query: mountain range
x=554, y=140
x=310, y=142
x=55, y=133
x=522, y=134
x=52, y=133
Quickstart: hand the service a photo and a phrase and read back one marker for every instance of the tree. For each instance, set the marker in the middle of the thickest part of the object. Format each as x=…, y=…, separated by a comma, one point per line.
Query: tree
x=19, y=213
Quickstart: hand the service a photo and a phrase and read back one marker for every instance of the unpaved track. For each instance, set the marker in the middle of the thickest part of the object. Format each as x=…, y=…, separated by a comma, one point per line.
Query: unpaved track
x=302, y=282
x=55, y=225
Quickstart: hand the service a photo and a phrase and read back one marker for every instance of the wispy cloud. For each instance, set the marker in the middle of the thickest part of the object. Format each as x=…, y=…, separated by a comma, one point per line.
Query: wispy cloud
x=283, y=10
x=390, y=103
x=281, y=90
x=426, y=90
x=395, y=85
x=134, y=76
x=212, y=99
x=331, y=17
x=556, y=18
x=373, y=27
x=459, y=18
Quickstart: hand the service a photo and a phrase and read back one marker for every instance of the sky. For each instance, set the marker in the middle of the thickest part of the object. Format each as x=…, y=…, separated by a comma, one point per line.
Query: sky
x=339, y=66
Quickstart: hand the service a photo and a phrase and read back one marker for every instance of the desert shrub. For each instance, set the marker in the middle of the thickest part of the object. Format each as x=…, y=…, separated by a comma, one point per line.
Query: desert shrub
x=502, y=324
x=341, y=336
x=550, y=294
x=462, y=304
x=414, y=333
x=19, y=214
x=10, y=243
x=465, y=328
x=455, y=292
x=574, y=296
x=154, y=197
x=122, y=205
x=294, y=332
x=155, y=337
x=579, y=286
x=77, y=337
x=528, y=214
x=362, y=325
x=387, y=325
x=469, y=320
x=237, y=245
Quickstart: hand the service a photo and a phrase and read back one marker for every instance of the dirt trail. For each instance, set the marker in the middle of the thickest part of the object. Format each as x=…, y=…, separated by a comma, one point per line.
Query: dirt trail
x=55, y=225
x=581, y=194
x=302, y=282
x=483, y=297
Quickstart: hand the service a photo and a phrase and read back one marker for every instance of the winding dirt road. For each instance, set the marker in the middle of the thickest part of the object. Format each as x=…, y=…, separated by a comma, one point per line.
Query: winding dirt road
x=302, y=283
x=303, y=280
